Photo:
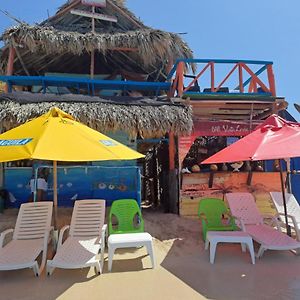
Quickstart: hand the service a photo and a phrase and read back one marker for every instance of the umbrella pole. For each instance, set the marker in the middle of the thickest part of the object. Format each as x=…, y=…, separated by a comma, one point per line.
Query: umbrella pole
x=55, y=193
x=288, y=227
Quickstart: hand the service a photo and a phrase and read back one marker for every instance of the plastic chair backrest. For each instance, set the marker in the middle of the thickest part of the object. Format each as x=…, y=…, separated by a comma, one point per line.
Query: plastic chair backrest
x=87, y=218
x=125, y=211
x=292, y=205
x=213, y=209
x=242, y=206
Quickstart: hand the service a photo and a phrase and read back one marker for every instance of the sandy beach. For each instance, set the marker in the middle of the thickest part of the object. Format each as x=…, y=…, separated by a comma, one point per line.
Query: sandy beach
x=183, y=270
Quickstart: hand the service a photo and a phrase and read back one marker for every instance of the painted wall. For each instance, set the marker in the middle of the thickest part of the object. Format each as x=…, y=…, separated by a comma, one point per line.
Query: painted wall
x=195, y=187
x=82, y=182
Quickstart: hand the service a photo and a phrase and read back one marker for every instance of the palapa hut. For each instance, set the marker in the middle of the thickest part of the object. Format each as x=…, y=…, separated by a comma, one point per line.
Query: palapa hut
x=68, y=46
x=64, y=42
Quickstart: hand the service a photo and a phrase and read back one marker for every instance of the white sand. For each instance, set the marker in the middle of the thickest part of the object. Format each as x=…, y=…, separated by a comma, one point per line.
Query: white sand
x=183, y=270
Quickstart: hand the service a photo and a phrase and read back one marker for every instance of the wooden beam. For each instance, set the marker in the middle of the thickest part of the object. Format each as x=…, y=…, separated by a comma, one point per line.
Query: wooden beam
x=255, y=78
x=271, y=79
x=241, y=86
x=119, y=10
x=180, y=70
x=172, y=150
x=10, y=64
x=224, y=80
x=212, y=76
x=64, y=11
x=197, y=77
x=22, y=62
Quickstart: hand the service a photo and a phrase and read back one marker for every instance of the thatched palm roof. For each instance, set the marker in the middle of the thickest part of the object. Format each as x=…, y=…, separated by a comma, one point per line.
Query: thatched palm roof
x=65, y=41
x=146, y=117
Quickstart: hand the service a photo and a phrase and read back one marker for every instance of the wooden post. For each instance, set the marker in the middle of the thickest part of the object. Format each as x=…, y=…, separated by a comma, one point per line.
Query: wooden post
x=10, y=64
x=212, y=76
x=288, y=227
x=271, y=80
x=173, y=176
x=241, y=78
x=180, y=71
x=92, y=68
x=171, y=151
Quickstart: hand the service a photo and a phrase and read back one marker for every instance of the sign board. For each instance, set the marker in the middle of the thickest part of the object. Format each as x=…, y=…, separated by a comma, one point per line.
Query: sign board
x=96, y=3
x=93, y=15
x=214, y=128
x=222, y=128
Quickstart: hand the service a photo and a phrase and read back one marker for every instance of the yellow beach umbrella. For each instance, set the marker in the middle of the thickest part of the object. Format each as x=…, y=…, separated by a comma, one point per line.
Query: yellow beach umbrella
x=57, y=136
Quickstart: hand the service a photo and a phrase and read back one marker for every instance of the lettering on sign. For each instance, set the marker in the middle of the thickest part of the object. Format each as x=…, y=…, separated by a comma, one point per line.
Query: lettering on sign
x=108, y=143
x=222, y=128
x=16, y=142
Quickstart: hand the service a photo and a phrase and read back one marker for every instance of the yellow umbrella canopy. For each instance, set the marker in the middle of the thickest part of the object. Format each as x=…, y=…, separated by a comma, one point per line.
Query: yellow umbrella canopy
x=57, y=136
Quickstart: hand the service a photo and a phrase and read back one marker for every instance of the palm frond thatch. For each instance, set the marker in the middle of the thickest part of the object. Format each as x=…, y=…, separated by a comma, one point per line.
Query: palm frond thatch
x=152, y=45
x=147, y=121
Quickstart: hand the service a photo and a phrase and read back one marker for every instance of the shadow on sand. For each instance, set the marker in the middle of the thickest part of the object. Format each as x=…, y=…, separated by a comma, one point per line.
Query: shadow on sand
x=275, y=276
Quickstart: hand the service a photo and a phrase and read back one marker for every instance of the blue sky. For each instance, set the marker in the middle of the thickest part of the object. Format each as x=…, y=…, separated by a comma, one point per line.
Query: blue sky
x=231, y=29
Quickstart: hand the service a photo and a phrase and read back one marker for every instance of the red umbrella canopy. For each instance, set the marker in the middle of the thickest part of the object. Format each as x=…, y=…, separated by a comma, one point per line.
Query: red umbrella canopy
x=276, y=138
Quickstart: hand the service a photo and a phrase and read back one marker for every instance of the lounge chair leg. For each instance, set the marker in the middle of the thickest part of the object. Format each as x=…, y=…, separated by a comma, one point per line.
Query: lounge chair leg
x=151, y=253
x=111, y=252
x=102, y=258
x=243, y=247
x=49, y=269
x=212, y=250
x=36, y=270
x=98, y=268
x=260, y=251
x=251, y=250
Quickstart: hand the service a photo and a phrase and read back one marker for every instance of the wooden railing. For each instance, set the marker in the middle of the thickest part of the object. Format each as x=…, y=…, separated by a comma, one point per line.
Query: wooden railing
x=253, y=84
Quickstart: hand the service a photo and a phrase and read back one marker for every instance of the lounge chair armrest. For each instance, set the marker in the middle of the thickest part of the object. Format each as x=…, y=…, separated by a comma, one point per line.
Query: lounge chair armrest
x=274, y=220
x=104, y=229
x=3, y=234
x=291, y=217
x=61, y=235
x=239, y=222
x=104, y=233
x=267, y=216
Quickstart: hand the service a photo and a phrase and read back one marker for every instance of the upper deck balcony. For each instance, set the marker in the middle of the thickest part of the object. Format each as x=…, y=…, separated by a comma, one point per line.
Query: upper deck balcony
x=222, y=89
x=227, y=89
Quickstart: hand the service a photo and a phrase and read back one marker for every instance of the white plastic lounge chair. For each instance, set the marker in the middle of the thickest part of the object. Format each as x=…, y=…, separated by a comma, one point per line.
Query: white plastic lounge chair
x=244, y=209
x=86, y=238
x=293, y=210
x=30, y=238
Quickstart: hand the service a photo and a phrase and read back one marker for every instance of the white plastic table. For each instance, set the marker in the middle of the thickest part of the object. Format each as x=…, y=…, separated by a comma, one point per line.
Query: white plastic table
x=215, y=237
x=129, y=240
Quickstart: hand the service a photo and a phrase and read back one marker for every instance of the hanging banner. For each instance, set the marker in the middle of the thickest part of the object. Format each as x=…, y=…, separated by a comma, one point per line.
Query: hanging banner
x=184, y=145
x=96, y=3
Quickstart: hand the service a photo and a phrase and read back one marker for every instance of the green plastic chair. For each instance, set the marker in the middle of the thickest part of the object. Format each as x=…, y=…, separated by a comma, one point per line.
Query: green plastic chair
x=211, y=212
x=125, y=211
